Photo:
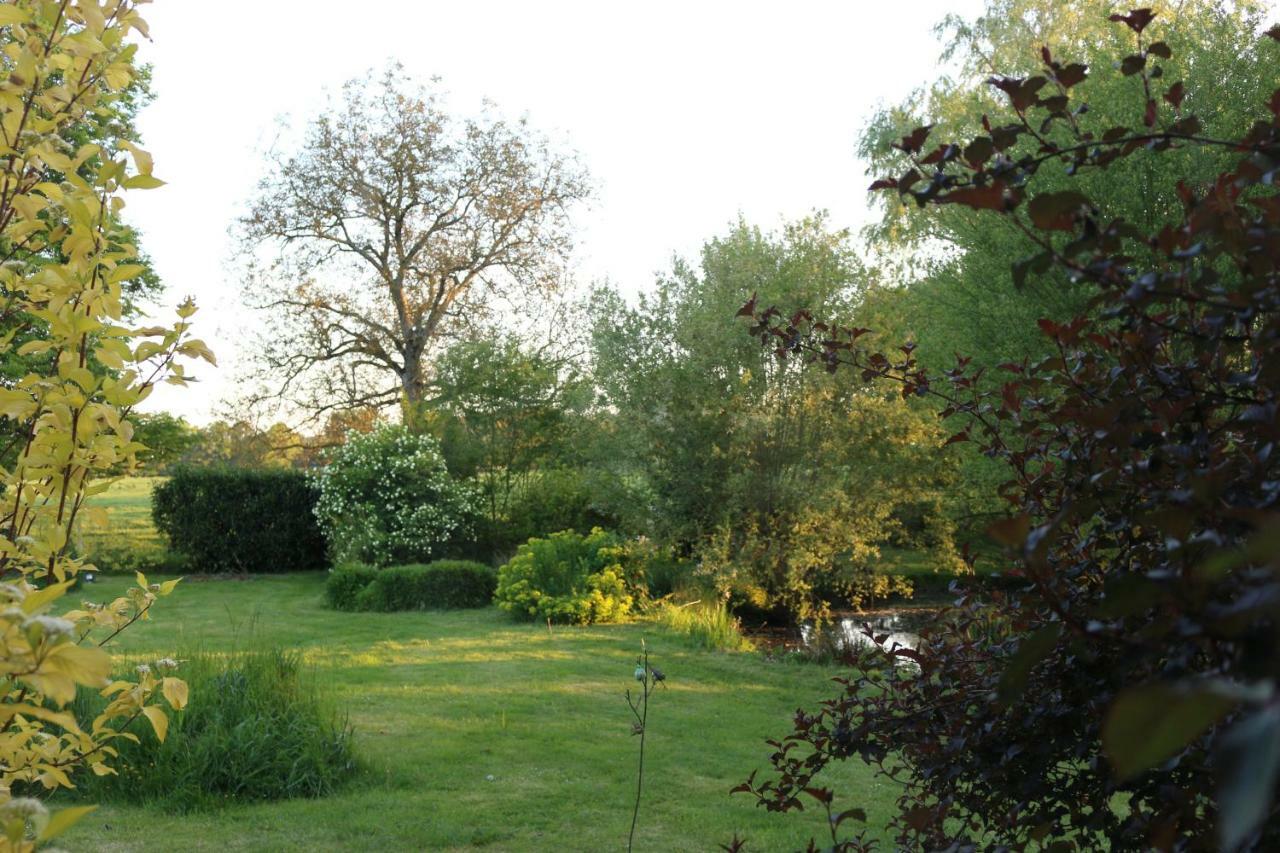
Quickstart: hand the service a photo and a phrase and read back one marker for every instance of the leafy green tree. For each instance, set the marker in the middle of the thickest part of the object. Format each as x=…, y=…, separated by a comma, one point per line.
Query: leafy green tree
x=393, y=227
x=783, y=481
x=953, y=288
x=507, y=416
x=167, y=439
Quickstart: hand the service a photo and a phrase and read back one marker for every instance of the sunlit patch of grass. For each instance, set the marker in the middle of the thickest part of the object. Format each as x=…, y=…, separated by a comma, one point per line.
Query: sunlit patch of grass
x=708, y=625
x=441, y=701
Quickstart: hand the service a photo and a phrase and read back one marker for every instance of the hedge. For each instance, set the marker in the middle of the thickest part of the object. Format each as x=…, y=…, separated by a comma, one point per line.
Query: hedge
x=241, y=519
x=442, y=585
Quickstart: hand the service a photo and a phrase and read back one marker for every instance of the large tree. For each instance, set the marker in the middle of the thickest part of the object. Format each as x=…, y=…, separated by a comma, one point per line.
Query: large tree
x=393, y=226
x=781, y=481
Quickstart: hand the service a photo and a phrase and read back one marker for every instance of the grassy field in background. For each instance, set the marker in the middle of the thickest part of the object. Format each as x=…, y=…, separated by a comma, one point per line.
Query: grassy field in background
x=124, y=535
x=442, y=701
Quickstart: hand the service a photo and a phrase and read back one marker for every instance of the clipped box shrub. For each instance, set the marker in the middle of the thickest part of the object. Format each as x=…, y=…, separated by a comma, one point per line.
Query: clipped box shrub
x=345, y=584
x=567, y=577
x=256, y=729
x=442, y=585
x=241, y=519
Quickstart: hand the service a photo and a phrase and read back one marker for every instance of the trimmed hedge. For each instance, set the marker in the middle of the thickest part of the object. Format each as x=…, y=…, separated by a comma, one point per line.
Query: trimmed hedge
x=346, y=582
x=241, y=519
x=442, y=585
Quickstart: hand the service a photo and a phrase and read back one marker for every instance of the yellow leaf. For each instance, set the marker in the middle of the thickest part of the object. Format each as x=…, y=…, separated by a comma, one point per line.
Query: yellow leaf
x=41, y=598
x=159, y=721
x=175, y=690
x=143, y=182
x=64, y=819
x=10, y=15
x=86, y=665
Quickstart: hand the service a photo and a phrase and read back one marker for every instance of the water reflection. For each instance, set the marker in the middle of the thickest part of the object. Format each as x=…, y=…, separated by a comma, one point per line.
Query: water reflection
x=850, y=632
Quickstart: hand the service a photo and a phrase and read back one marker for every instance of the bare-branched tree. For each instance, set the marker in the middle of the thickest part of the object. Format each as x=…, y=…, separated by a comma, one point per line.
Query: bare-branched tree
x=392, y=227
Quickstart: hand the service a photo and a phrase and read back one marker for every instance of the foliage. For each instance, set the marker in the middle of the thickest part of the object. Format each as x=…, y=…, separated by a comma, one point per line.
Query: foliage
x=62, y=302
x=346, y=582
x=1136, y=663
x=165, y=437
x=506, y=416
x=708, y=625
x=770, y=474
x=955, y=290
x=240, y=444
x=427, y=223
x=568, y=577
x=553, y=499
x=257, y=729
x=386, y=498
x=240, y=519
x=442, y=585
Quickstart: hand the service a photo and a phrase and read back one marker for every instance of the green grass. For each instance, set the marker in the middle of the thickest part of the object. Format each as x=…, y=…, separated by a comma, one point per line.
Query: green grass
x=442, y=700
x=124, y=537
x=708, y=625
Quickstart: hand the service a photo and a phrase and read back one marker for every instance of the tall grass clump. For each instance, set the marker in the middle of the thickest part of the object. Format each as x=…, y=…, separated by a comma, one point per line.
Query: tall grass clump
x=255, y=729
x=706, y=625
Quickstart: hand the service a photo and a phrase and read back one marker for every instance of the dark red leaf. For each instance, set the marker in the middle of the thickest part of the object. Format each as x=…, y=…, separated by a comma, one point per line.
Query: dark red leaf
x=1133, y=64
x=1056, y=211
x=914, y=141
x=1137, y=20
x=1175, y=94
x=1071, y=75
x=1274, y=32
x=1160, y=49
x=990, y=197
x=884, y=184
x=1149, y=118
x=749, y=309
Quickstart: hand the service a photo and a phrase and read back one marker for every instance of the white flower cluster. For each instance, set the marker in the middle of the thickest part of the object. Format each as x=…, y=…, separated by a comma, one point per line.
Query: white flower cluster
x=387, y=497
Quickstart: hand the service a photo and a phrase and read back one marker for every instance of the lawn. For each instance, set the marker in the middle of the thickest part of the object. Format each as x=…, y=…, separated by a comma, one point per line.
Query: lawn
x=442, y=701
x=123, y=534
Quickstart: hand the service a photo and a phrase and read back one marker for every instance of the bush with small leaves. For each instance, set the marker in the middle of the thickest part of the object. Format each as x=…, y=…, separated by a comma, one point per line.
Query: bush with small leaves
x=568, y=577
x=346, y=582
x=240, y=519
x=386, y=498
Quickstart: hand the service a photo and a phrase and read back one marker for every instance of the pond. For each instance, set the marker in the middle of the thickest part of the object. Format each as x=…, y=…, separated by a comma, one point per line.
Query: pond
x=902, y=626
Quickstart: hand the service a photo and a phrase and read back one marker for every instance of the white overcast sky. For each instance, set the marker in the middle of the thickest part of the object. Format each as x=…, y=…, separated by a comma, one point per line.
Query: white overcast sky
x=686, y=113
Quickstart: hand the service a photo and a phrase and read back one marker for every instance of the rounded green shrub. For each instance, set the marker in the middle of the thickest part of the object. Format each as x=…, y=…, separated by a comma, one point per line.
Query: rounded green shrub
x=442, y=585
x=345, y=583
x=567, y=577
x=386, y=498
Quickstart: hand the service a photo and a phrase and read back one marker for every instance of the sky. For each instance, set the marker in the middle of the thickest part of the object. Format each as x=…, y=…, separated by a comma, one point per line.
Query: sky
x=687, y=115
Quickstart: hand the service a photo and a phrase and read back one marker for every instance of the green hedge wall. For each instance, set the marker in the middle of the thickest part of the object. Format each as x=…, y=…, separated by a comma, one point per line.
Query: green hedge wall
x=442, y=585
x=241, y=519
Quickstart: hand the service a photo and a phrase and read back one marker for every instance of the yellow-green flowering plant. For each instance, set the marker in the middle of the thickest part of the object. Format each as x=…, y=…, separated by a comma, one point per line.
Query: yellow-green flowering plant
x=66, y=420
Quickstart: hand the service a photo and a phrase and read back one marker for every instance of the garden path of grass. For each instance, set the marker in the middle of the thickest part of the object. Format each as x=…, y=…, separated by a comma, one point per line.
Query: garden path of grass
x=440, y=701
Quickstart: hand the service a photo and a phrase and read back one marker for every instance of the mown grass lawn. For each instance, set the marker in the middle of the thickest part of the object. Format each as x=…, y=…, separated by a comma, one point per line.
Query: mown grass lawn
x=440, y=701
x=123, y=532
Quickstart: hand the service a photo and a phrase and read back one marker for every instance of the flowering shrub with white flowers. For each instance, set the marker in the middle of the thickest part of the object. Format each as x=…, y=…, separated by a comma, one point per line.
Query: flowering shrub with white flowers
x=386, y=498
